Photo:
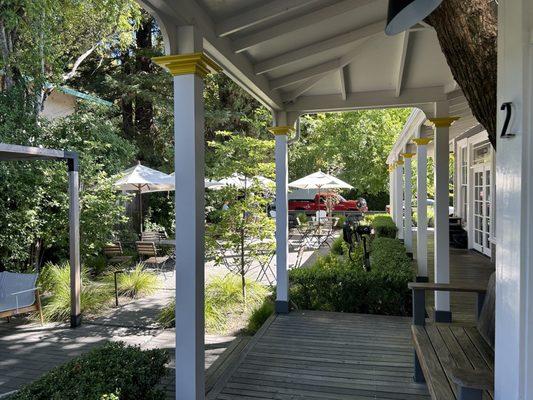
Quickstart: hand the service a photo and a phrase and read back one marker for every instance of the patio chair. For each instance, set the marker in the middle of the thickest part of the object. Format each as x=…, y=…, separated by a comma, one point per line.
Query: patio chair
x=152, y=236
x=115, y=254
x=19, y=295
x=149, y=250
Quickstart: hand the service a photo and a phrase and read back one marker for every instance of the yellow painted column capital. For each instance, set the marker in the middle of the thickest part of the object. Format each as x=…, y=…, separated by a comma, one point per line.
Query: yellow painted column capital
x=442, y=122
x=399, y=162
x=391, y=168
x=281, y=130
x=422, y=141
x=408, y=155
x=186, y=64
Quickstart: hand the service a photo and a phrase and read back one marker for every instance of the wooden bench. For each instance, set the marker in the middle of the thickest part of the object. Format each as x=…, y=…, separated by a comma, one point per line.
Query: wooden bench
x=19, y=295
x=456, y=361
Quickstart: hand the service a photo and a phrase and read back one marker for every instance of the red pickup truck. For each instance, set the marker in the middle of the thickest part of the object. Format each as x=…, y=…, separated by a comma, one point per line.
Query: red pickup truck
x=319, y=203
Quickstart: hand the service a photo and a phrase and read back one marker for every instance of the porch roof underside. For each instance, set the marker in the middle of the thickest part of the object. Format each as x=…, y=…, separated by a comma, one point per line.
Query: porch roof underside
x=307, y=56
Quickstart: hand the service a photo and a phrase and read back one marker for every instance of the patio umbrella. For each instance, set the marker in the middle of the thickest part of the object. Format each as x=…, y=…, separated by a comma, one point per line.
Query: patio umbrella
x=240, y=181
x=142, y=179
x=320, y=180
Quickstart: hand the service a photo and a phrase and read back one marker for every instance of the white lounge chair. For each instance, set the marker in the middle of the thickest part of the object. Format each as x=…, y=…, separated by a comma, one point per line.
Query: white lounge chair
x=18, y=294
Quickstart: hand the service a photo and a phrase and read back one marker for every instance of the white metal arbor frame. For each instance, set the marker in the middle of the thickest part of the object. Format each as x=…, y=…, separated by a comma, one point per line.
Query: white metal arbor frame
x=303, y=56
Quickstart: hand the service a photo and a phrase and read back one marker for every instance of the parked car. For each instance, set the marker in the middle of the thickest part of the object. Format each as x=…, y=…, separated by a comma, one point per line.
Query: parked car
x=319, y=203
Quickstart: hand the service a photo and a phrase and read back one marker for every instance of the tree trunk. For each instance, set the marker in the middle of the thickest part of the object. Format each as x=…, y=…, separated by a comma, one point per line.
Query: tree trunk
x=467, y=32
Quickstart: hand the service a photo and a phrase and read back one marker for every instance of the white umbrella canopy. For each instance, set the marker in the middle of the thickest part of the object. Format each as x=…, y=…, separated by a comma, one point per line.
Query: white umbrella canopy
x=143, y=179
x=239, y=181
x=320, y=180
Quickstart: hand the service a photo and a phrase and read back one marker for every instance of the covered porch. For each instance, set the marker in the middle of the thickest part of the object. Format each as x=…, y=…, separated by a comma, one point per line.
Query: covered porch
x=306, y=56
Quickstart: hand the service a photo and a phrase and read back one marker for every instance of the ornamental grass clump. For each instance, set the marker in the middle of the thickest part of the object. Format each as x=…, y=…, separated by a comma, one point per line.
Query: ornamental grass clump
x=54, y=281
x=111, y=371
x=223, y=298
x=137, y=282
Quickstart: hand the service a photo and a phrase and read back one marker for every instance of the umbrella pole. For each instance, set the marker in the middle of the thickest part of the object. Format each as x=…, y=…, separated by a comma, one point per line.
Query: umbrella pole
x=140, y=210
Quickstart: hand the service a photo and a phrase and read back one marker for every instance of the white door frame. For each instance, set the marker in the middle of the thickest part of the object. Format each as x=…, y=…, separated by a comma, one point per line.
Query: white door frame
x=485, y=228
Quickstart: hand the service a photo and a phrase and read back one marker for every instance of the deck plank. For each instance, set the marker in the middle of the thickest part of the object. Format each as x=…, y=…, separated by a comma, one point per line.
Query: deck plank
x=326, y=355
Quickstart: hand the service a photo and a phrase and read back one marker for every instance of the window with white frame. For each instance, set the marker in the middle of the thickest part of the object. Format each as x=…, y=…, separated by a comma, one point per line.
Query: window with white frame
x=464, y=182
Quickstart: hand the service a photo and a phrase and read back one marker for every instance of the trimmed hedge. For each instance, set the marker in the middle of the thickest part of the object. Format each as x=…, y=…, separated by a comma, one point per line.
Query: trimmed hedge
x=336, y=283
x=110, y=371
x=384, y=226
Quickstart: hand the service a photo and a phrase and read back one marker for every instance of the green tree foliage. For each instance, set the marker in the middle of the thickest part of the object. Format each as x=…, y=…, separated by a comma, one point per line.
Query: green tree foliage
x=244, y=229
x=353, y=146
x=33, y=194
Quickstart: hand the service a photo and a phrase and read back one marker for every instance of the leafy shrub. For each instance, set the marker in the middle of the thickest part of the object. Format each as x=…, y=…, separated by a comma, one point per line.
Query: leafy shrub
x=223, y=296
x=341, y=221
x=97, y=265
x=384, y=226
x=335, y=283
x=259, y=316
x=137, y=282
x=110, y=371
x=302, y=217
x=55, y=280
x=337, y=246
x=430, y=216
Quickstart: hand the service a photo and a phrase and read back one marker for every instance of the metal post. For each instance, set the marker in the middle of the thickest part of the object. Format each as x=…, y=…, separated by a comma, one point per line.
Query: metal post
x=74, y=241
x=419, y=307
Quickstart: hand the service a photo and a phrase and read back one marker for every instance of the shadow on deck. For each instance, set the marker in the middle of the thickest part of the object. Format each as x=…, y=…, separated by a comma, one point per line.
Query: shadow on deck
x=324, y=355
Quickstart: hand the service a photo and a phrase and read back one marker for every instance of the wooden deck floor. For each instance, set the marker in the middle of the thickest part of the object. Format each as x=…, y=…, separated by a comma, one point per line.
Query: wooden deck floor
x=324, y=355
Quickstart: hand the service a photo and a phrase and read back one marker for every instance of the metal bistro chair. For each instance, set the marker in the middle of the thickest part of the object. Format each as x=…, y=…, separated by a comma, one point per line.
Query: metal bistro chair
x=148, y=250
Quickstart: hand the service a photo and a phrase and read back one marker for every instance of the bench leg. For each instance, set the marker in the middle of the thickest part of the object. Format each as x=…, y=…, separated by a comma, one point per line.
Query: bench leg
x=469, y=394
x=419, y=375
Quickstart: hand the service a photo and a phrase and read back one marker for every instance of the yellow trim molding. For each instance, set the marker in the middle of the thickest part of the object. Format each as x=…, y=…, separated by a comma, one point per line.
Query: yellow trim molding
x=442, y=122
x=408, y=155
x=422, y=141
x=186, y=64
x=391, y=167
x=281, y=130
x=400, y=163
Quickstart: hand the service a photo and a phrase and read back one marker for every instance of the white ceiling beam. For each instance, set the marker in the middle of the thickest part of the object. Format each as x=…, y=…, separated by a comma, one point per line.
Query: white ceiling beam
x=259, y=14
x=307, y=73
x=326, y=67
x=320, y=47
x=366, y=100
x=303, y=88
x=404, y=43
x=294, y=24
x=237, y=66
x=343, y=82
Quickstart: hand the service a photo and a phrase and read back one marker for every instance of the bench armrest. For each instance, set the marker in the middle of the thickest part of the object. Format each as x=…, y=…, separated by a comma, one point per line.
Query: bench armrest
x=446, y=287
x=24, y=291
x=419, y=296
x=472, y=379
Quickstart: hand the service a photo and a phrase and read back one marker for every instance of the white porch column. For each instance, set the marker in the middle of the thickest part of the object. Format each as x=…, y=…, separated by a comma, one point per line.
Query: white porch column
x=514, y=204
x=408, y=223
x=188, y=70
x=399, y=197
x=442, y=223
x=421, y=208
x=282, y=213
x=391, y=190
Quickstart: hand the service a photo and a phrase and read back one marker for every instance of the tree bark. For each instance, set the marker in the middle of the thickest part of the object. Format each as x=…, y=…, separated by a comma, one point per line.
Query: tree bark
x=467, y=33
